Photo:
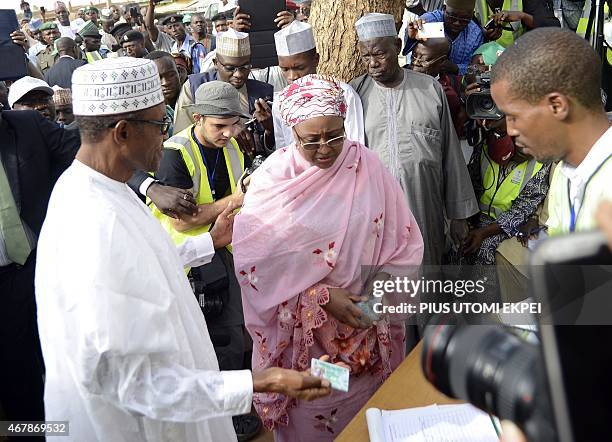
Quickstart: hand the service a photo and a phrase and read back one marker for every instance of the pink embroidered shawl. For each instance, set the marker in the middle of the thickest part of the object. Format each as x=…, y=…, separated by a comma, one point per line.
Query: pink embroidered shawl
x=303, y=229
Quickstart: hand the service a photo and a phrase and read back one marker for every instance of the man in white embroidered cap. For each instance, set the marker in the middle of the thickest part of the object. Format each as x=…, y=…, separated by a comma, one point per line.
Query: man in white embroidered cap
x=298, y=57
x=233, y=65
x=408, y=123
x=125, y=344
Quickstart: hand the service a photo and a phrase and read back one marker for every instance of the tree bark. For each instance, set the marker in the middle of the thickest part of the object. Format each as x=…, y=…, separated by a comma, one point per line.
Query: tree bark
x=333, y=23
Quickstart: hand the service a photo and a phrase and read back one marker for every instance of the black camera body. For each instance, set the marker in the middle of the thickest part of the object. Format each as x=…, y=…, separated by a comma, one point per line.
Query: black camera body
x=210, y=284
x=492, y=369
x=480, y=105
x=209, y=298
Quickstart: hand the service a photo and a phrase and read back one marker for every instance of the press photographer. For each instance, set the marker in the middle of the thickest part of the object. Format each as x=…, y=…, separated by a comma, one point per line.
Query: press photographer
x=508, y=182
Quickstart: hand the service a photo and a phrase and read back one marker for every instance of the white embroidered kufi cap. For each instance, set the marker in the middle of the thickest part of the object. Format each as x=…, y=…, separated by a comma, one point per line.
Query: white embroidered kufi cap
x=294, y=39
x=116, y=86
x=375, y=25
x=232, y=43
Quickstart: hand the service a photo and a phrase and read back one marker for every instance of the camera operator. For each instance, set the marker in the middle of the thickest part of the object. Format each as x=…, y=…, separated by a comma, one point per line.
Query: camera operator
x=549, y=86
x=506, y=20
x=509, y=184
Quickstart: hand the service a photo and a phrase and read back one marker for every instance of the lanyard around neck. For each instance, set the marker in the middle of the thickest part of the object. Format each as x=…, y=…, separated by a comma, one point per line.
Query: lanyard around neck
x=573, y=212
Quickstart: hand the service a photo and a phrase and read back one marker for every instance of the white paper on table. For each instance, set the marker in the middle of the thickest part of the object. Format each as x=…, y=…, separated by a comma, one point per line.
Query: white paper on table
x=375, y=425
x=444, y=423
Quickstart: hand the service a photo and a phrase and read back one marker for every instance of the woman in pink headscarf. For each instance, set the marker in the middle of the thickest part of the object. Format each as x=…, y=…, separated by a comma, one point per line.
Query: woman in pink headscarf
x=314, y=214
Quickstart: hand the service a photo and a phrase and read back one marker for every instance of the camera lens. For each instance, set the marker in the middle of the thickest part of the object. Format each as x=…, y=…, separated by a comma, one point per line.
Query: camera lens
x=485, y=365
x=486, y=103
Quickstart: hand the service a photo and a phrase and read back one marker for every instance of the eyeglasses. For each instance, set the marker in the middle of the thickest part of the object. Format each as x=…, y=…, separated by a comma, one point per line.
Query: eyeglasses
x=332, y=143
x=453, y=18
x=233, y=69
x=426, y=64
x=164, y=125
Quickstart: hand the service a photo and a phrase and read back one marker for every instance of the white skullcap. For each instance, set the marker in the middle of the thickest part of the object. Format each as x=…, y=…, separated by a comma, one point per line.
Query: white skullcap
x=232, y=43
x=375, y=25
x=116, y=86
x=294, y=39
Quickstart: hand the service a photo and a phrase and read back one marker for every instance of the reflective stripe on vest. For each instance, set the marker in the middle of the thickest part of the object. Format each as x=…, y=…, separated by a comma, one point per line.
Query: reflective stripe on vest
x=190, y=153
x=509, y=189
x=93, y=56
x=507, y=37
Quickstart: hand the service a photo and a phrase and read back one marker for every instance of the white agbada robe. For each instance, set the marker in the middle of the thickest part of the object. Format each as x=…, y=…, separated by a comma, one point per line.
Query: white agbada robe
x=127, y=352
x=353, y=122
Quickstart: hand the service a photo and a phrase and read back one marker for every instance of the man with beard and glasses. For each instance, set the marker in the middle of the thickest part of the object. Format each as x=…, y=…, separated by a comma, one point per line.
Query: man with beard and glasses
x=233, y=65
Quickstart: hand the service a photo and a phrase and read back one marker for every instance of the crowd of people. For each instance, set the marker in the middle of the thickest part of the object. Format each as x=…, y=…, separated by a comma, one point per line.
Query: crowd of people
x=181, y=233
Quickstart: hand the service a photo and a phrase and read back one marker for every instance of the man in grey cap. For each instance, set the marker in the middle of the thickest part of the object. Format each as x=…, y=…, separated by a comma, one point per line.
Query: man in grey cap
x=205, y=159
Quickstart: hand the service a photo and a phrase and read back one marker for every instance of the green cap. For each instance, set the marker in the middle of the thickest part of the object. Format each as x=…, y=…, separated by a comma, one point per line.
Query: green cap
x=490, y=52
x=88, y=29
x=91, y=8
x=187, y=18
x=48, y=25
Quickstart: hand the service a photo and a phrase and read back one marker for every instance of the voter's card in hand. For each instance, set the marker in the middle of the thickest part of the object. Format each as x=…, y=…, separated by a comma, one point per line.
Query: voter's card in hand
x=337, y=376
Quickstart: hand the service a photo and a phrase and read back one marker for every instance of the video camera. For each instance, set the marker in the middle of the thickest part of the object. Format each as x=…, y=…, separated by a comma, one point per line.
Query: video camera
x=480, y=105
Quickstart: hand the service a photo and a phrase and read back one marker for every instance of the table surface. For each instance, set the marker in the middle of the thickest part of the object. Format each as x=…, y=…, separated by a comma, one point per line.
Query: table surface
x=405, y=388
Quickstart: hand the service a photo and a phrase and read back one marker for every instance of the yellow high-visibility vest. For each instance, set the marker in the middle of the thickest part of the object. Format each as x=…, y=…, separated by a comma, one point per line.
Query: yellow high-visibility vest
x=598, y=188
x=190, y=152
x=508, y=37
x=498, y=199
x=93, y=56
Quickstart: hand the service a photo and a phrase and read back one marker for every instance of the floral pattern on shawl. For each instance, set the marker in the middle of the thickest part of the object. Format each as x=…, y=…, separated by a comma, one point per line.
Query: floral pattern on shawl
x=303, y=230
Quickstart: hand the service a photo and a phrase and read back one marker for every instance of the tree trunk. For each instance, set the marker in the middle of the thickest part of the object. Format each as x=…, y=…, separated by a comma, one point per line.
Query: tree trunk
x=333, y=23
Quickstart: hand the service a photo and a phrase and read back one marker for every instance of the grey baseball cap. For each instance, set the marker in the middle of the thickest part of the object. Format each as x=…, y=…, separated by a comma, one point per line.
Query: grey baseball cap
x=217, y=99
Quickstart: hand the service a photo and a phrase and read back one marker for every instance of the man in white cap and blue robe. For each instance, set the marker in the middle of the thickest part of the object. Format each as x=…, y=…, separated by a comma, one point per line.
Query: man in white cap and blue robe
x=126, y=347
x=297, y=57
x=408, y=123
